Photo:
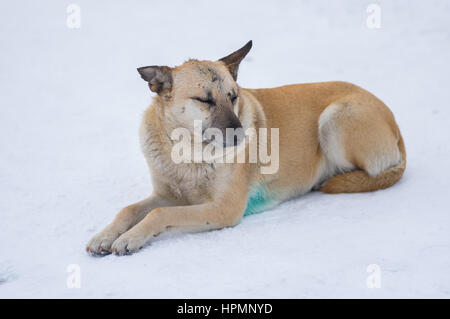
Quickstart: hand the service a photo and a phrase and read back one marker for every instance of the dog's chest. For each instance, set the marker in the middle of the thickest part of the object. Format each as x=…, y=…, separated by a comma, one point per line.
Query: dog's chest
x=189, y=181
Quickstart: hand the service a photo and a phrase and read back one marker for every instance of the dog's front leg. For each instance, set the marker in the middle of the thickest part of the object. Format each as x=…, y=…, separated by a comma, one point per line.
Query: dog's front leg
x=126, y=219
x=201, y=217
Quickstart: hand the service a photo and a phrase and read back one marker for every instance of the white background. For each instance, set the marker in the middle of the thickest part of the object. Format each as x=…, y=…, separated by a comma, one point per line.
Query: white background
x=71, y=103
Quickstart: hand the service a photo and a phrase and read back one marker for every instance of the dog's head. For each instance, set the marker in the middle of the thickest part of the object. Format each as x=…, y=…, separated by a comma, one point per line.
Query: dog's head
x=201, y=90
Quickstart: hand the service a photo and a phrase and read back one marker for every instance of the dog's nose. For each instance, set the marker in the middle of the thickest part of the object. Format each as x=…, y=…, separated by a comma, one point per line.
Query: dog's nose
x=236, y=125
x=239, y=135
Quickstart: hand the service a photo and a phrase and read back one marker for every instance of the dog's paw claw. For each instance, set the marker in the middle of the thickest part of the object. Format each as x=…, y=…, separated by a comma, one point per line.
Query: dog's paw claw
x=126, y=244
x=101, y=243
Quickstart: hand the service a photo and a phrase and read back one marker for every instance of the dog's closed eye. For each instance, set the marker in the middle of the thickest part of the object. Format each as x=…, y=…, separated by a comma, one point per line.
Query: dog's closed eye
x=206, y=101
x=233, y=96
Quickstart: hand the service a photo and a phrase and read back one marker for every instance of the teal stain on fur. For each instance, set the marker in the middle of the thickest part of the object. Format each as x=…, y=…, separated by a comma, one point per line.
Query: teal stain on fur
x=258, y=201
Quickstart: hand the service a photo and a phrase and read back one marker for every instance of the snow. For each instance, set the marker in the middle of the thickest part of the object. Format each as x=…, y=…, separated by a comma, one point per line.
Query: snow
x=71, y=102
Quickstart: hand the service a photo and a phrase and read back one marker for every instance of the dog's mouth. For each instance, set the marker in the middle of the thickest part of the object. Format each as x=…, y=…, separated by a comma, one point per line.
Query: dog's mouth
x=228, y=140
x=237, y=140
x=215, y=143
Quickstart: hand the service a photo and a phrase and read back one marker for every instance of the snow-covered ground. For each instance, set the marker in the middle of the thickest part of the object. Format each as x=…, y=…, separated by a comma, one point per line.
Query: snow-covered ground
x=71, y=102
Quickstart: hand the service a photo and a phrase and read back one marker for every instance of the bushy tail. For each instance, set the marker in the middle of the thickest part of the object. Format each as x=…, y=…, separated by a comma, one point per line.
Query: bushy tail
x=359, y=181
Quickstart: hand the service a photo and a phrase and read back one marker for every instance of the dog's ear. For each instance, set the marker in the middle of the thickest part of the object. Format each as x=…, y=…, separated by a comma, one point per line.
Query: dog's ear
x=159, y=78
x=233, y=60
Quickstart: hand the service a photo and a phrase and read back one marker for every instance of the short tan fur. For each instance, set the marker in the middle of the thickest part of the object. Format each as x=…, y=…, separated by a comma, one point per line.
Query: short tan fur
x=333, y=136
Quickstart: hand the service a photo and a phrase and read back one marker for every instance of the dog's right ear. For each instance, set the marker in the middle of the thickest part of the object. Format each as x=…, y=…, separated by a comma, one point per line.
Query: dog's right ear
x=159, y=78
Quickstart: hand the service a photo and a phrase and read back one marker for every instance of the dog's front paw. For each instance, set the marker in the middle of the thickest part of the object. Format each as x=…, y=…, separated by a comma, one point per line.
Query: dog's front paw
x=128, y=243
x=101, y=243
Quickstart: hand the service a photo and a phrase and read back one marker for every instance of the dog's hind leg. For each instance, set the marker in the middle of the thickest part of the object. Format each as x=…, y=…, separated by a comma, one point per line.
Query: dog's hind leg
x=125, y=219
x=362, y=144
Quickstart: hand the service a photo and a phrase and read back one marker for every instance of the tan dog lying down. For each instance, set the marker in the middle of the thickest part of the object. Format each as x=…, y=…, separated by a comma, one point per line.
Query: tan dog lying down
x=331, y=136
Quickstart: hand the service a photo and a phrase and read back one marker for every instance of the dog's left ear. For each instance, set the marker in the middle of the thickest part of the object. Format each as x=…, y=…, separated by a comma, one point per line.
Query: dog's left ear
x=233, y=60
x=159, y=78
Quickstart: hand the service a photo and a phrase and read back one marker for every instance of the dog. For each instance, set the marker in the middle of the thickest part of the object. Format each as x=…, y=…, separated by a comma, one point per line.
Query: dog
x=333, y=136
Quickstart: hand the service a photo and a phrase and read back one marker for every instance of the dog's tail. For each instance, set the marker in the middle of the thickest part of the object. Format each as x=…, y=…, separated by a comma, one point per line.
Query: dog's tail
x=359, y=181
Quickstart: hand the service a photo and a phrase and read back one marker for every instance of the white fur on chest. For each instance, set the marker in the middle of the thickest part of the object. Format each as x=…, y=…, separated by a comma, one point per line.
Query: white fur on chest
x=185, y=180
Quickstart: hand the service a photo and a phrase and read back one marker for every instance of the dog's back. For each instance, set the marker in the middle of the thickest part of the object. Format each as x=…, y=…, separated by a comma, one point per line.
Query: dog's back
x=331, y=128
